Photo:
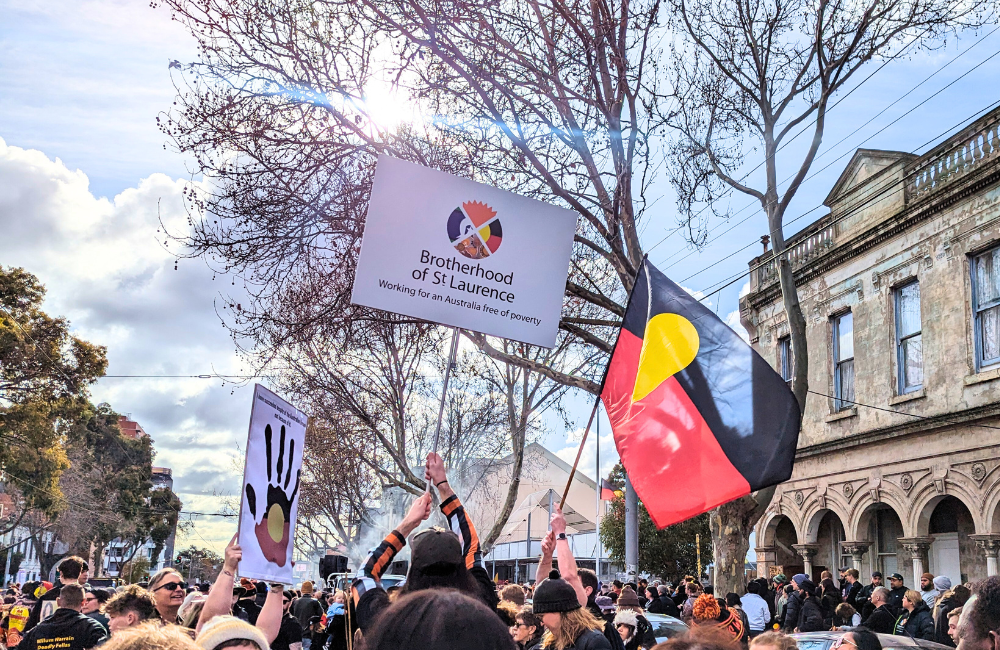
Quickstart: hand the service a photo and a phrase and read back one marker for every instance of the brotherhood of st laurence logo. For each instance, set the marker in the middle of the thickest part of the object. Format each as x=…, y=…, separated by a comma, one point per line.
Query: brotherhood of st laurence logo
x=474, y=230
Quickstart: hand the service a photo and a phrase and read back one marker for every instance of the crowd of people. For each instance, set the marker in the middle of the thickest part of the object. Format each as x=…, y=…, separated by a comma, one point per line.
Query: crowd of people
x=448, y=601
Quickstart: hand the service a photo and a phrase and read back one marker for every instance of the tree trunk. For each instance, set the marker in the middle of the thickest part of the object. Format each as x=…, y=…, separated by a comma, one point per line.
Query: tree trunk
x=509, y=502
x=731, y=525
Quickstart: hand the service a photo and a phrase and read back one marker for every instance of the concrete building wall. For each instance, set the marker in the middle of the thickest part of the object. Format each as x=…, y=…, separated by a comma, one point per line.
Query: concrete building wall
x=894, y=218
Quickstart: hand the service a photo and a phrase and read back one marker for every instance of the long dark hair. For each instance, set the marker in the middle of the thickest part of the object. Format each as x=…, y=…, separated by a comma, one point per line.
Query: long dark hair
x=438, y=619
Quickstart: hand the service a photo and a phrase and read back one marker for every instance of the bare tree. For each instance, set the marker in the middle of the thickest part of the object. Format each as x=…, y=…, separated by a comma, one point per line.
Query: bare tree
x=751, y=75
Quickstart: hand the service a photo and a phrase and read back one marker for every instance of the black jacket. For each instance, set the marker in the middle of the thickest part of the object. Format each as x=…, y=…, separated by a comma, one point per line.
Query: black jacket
x=290, y=632
x=610, y=633
x=46, y=602
x=881, y=621
x=919, y=624
x=944, y=606
x=664, y=605
x=853, y=593
x=896, y=600
x=811, y=617
x=591, y=640
x=792, y=608
x=74, y=631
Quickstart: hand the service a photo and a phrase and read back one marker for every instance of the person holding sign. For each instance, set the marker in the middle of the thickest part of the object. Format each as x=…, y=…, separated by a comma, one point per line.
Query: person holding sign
x=220, y=598
x=439, y=558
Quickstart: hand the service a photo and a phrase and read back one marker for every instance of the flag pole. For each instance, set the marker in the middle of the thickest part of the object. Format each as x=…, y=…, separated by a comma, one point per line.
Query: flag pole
x=444, y=391
x=579, y=452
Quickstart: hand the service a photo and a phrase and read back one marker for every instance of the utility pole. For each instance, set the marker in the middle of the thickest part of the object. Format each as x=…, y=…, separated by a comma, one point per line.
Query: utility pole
x=697, y=553
x=631, y=530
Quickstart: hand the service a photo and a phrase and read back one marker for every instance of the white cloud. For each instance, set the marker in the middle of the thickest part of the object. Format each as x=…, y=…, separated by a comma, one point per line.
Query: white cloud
x=106, y=270
x=588, y=461
x=745, y=289
x=733, y=321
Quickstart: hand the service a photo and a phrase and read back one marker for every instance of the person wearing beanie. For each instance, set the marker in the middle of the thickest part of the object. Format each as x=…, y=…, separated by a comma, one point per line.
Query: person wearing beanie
x=708, y=613
x=642, y=635
x=308, y=612
x=626, y=622
x=598, y=604
x=227, y=629
x=439, y=558
x=928, y=591
x=567, y=623
x=952, y=599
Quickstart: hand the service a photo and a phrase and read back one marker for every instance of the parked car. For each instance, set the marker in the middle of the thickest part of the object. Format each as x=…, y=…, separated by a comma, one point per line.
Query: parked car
x=666, y=627
x=824, y=641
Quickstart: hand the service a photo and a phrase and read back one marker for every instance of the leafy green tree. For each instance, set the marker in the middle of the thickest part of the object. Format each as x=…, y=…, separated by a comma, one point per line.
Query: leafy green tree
x=45, y=374
x=670, y=553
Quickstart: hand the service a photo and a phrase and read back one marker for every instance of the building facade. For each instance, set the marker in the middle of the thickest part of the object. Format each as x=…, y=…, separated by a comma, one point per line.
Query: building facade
x=897, y=464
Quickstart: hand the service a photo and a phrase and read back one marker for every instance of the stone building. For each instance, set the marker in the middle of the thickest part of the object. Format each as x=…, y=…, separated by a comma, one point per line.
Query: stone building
x=897, y=465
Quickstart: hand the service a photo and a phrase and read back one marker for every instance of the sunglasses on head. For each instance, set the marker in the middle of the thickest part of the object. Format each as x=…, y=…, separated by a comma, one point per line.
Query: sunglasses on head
x=170, y=585
x=842, y=641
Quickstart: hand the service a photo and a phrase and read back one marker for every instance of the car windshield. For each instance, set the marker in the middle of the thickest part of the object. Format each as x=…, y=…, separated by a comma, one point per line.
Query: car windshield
x=814, y=644
x=667, y=629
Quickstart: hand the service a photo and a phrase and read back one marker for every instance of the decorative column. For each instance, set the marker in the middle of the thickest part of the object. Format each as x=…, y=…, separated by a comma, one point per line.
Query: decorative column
x=808, y=552
x=857, y=551
x=765, y=560
x=917, y=547
x=990, y=545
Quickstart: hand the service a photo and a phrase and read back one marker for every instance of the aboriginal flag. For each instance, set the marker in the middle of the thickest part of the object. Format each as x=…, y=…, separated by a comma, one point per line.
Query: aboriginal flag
x=699, y=418
x=609, y=491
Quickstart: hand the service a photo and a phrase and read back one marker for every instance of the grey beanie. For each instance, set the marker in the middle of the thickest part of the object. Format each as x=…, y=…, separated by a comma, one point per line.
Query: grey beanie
x=942, y=583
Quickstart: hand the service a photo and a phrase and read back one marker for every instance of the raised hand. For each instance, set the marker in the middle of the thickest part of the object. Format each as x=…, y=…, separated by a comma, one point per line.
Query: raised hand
x=548, y=544
x=273, y=529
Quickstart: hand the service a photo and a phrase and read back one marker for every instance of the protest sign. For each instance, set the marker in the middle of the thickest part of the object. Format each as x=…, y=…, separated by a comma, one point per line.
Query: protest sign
x=271, y=487
x=453, y=251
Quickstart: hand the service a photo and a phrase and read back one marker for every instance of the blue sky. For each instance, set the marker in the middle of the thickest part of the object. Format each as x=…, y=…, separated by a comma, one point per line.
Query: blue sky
x=85, y=180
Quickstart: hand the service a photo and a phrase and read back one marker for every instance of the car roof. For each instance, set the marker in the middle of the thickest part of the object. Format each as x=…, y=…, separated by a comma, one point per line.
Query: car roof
x=887, y=640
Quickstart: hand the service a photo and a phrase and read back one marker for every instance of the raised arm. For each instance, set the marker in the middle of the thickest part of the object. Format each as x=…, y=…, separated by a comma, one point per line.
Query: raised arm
x=269, y=619
x=567, y=563
x=220, y=598
x=545, y=564
x=370, y=573
x=458, y=520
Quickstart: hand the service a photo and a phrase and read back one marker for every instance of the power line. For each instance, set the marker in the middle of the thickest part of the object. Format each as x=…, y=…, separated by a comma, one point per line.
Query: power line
x=810, y=125
x=841, y=141
x=850, y=212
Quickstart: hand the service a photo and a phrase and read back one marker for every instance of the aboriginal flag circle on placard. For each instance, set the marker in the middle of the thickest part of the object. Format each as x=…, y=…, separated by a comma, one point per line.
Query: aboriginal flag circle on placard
x=474, y=230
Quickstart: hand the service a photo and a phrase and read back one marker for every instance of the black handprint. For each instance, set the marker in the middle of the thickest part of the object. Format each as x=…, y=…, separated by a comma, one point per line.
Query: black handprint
x=272, y=531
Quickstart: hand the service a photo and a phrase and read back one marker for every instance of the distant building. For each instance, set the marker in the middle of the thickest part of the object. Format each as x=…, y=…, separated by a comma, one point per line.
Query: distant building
x=898, y=464
x=115, y=553
x=544, y=475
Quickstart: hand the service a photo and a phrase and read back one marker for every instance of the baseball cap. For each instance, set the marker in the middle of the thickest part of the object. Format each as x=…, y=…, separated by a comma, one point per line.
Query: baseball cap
x=876, y=574
x=895, y=576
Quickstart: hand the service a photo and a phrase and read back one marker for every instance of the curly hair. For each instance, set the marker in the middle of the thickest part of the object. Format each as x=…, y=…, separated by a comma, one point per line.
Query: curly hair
x=152, y=636
x=706, y=608
x=132, y=598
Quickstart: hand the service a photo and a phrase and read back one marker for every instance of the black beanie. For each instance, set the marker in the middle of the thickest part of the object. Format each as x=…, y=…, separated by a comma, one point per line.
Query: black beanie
x=554, y=595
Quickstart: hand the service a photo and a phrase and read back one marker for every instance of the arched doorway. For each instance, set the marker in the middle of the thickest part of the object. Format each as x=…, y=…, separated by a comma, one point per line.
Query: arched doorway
x=780, y=534
x=884, y=530
x=953, y=552
x=830, y=555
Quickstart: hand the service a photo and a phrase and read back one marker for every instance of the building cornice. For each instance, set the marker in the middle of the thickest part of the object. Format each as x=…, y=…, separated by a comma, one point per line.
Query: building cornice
x=919, y=211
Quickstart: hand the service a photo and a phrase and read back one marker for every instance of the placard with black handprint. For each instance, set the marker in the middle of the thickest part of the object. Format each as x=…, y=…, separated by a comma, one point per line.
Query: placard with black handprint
x=270, y=487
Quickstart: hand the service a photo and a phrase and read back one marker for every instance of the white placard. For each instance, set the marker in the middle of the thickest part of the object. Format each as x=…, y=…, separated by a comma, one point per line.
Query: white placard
x=453, y=251
x=271, y=487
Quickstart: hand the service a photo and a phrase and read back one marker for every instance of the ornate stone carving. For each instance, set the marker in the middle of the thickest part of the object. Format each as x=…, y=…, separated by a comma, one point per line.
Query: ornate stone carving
x=906, y=482
x=799, y=498
x=855, y=549
x=875, y=495
x=989, y=544
x=978, y=471
x=848, y=490
x=807, y=551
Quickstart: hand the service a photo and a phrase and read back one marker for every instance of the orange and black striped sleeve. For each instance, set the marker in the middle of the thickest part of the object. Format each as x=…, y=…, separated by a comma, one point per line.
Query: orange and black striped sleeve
x=370, y=573
x=462, y=526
